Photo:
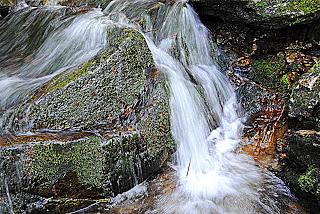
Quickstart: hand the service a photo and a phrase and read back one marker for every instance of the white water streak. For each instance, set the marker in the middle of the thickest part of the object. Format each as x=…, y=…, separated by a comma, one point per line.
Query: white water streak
x=72, y=44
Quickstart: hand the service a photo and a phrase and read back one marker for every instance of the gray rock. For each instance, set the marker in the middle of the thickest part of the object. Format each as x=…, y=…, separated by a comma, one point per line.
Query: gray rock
x=302, y=171
x=104, y=128
x=304, y=103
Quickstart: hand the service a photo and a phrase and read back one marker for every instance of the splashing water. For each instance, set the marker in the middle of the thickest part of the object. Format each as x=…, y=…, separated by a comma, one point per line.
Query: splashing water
x=212, y=177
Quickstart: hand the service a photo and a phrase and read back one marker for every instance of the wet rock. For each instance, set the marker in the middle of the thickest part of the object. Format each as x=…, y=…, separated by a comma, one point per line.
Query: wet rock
x=304, y=100
x=278, y=92
x=4, y=10
x=90, y=168
x=119, y=102
x=265, y=125
x=102, y=91
x=261, y=13
x=302, y=171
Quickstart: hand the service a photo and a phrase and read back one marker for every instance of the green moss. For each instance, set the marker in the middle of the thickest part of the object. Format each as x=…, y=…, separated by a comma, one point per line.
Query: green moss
x=84, y=157
x=262, y=5
x=270, y=72
x=291, y=12
x=64, y=80
x=309, y=180
x=298, y=10
x=284, y=80
x=264, y=67
x=271, y=66
x=316, y=68
x=306, y=6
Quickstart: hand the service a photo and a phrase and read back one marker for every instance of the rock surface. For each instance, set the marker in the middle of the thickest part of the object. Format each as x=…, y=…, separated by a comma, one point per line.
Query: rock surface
x=302, y=171
x=304, y=105
x=99, y=130
x=103, y=127
x=280, y=93
x=261, y=13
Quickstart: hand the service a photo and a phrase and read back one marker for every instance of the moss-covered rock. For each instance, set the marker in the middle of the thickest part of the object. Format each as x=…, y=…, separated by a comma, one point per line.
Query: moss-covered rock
x=302, y=170
x=98, y=92
x=120, y=98
x=305, y=97
x=84, y=170
x=270, y=72
x=261, y=13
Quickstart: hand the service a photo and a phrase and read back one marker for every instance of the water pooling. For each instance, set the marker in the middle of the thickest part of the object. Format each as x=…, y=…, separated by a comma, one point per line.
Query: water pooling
x=212, y=177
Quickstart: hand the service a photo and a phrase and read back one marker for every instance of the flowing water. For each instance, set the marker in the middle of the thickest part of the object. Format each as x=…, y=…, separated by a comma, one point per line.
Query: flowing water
x=212, y=176
x=48, y=43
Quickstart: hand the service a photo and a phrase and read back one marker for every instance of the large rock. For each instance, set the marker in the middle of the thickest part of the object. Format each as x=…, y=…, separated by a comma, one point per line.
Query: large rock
x=302, y=171
x=104, y=128
x=261, y=13
x=305, y=100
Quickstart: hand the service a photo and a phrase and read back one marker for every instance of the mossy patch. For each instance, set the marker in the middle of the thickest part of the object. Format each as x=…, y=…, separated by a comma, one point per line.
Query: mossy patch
x=262, y=4
x=284, y=80
x=64, y=80
x=305, y=6
x=270, y=72
x=84, y=157
x=316, y=68
x=285, y=13
x=309, y=181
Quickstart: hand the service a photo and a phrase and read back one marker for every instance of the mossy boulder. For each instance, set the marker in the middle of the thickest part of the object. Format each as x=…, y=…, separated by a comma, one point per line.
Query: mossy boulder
x=304, y=100
x=104, y=128
x=261, y=13
x=100, y=91
x=302, y=168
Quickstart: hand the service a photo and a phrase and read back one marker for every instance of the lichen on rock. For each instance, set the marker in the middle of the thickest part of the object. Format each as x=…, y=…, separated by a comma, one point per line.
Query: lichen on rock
x=104, y=127
x=262, y=13
x=304, y=100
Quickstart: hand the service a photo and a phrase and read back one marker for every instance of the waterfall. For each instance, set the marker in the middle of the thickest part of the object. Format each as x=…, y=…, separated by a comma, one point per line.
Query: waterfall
x=212, y=176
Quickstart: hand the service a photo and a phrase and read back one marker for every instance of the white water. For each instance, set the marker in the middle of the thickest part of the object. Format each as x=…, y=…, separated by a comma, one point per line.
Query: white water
x=212, y=177
x=70, y=43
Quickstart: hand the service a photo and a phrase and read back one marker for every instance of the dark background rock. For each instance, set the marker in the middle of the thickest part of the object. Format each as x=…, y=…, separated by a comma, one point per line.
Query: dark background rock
x=4, y=10
x=302, y=168
x=262, y=14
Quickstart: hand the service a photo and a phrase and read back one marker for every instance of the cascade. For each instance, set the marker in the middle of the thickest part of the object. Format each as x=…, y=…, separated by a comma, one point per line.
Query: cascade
x=212, y=176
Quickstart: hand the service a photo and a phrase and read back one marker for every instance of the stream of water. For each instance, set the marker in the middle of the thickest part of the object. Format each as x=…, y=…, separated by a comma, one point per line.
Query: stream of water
x=212, y=176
